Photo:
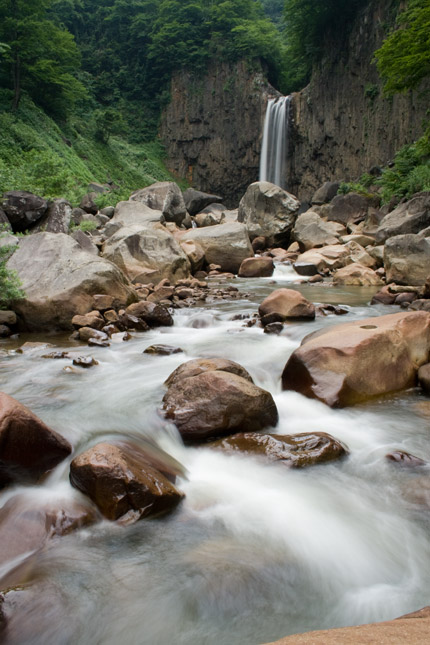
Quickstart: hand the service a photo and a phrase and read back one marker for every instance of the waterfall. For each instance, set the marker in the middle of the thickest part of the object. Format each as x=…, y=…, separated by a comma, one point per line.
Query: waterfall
x=275, y=142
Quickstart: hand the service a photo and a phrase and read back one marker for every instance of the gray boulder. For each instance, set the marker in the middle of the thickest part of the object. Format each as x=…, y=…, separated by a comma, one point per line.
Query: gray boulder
x=310, y=231
x=269, y=211
x=211, y=215
x=87, y=203
x=196, y=200
x=23, y=209
x=133, y=212
x=227, y=244
x=164, y=196
x=410, y=217
x=350, y=209
x=85, y=242
x=147, y=254
x=56, y=219
x=4, y=222
x=326, y=192
x=407, y=259
x=60, y=280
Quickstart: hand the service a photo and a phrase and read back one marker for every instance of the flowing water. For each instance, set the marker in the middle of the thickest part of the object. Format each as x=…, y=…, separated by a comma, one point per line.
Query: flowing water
x=274, y=147
x=255, y=551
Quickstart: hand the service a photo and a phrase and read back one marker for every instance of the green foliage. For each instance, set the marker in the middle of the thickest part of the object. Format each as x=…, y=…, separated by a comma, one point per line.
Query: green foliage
x=410, y=172
x=86, y=226
x=404, y=59
x=9, y=281
x=362, y=186
x=308, y=26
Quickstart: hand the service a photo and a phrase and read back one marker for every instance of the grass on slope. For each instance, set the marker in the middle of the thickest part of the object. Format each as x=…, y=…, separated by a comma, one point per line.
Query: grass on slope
x=36, y=155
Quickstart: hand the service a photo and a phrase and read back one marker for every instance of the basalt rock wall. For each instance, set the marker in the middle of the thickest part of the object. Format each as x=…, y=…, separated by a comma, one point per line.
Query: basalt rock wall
x=342, y=123
x=212, y=127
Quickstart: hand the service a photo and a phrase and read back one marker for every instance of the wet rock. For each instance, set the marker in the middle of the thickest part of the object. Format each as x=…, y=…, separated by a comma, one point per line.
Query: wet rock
x=274, y=328
x=407, y=259
x=269, y=211
x=384, y=297
x=98, y=342
x=405, y=298
x=355, y=361
x=5, y=332
x=128, y=321
x=201, y=365
x=23, y=209
x=122, y=483
x=405, y=459
x=226, y=245
x=332, y=309
x=261, y=267
x=163, y=350
x=57, y=355
x=28, y=448
x=60, y=279
x=424, y=377
x=85, y=361
x=216, y=403
x=356, y=275
x=421, y=304
x=164, y=196
x=295, y=451
x=306, y=268
x=92, y=319
x=87, y=333
x=153, y=314
x=316, y=278
x=285, y=304
x=120, y=336
x=196, y=200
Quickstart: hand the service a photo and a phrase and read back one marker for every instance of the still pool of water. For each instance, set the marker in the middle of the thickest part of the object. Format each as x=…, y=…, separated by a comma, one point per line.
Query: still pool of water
x=255, y=551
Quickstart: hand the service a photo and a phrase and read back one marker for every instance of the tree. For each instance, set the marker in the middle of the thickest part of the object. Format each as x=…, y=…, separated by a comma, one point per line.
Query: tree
x=404, y=59
x=42, y=57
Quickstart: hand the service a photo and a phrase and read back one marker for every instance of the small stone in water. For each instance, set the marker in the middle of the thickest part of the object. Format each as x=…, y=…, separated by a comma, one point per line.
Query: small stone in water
x=97, y=342
x=405, y=459
x=120, y=336
x=162, y=350
x=85, y=361
x=57, y=355
x=273, y=328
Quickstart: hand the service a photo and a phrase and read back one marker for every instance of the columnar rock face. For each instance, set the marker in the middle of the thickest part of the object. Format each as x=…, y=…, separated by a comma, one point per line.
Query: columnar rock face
x=212, y=128
x=60, y=279
x=352, y=362
x=341, y=119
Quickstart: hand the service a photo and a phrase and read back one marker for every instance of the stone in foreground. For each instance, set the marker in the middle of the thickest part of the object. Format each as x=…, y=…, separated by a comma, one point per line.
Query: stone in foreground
x=28, y=448
x=261, y=267
x=355, y=361
x=285, y=304
x=123, y=483
x=217, y=403
x=295, y=451
x=200, y=365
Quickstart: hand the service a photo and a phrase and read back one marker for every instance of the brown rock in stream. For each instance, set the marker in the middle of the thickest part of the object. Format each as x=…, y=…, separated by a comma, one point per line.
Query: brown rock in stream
x=28, y=448
x=200, y=365
x=352, y=362
x=123, y=484
x=260, y=267
x=405, y=459
x=151, y=313
x=284, y=304
x=295, y=451
x=216, y=403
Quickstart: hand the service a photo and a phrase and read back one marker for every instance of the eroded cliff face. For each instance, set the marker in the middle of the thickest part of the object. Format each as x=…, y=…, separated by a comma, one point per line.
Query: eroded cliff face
x=342, y=124
x=212, y=128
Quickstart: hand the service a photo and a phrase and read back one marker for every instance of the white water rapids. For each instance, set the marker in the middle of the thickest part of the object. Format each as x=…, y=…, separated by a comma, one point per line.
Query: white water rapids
x=255, y=551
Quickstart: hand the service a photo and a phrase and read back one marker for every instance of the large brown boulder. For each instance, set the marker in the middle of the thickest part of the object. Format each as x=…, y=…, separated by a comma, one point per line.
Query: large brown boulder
x=409, y=217
x=268, y=210
x=357, y=275
x=261, y=267
x=60, y=278
x=200, y=365
x=285, y=304
x=164, y=196
x=295, y=451
x=147, y=254
x=311, y=231
x=23, y=209
x=327, y=258
x=28, y=448
x=151, y=313
x=122, y=482
x=355, y=361
x=407, y=259
x=351, y=208
x=216, y=403
x=226, y=244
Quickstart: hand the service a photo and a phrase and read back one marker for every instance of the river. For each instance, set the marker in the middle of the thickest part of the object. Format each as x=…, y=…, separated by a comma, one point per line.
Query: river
x=255, y=551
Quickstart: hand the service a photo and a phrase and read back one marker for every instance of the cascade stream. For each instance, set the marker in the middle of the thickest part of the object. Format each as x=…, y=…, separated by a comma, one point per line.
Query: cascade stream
x=255, y=551
x=274, y=147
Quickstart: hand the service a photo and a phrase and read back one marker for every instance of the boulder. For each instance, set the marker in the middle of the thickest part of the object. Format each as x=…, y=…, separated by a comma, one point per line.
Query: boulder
x=56, y=218
x=409, y=217
x=196, y=201
x=261, y=267
x=424, y=377
x=123, y=483
x=384, y=296
x=295, y=451
x=407, y=259
x=356, y=275
x=310, y=231
x=355, y=361
x=85, y=242
x=358, y=254
x=201, y=365
x=211, y=215
x=28, y=448
x=23, y=209
x=359, y=238
x=405, y=459
x=325, y=193
x=162, y=350
x=153, y=314
x=59, y=280
x=147, y=254
x=4, y=222
x=87, y=203
x=92, y=319
x=328, y=258
x=7, y=317
x=215, y=403
x=351, y=208
x=164, y=196
x=133, y=213
x=194, y=253
x=285, y=304
x=226, y=245
x=269, y=211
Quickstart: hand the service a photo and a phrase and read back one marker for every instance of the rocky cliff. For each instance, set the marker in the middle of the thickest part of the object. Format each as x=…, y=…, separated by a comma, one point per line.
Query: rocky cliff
x=342, y=124
x=212, y=127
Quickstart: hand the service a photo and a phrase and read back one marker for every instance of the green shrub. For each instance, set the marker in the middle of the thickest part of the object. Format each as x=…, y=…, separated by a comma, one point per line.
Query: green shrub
x=10, y=286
